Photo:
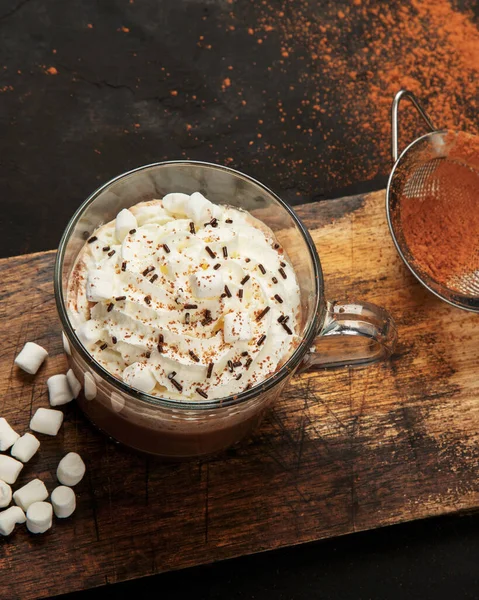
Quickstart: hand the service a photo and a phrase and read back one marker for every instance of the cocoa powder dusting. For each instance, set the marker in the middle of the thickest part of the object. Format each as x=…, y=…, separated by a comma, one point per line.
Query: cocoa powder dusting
x=440, y=222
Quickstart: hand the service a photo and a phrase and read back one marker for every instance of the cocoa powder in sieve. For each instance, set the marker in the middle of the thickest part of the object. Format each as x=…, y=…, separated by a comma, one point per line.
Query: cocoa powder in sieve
x=441, y=227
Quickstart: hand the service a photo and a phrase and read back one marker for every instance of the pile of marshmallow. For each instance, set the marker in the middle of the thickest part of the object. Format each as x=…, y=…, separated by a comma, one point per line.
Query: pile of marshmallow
x=31, y=506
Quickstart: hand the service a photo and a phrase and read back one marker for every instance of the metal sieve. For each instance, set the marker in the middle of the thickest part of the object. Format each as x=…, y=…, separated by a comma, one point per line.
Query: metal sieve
x=434, y=166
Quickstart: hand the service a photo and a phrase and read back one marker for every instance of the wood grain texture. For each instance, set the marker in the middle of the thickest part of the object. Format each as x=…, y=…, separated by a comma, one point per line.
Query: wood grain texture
x=342, y=451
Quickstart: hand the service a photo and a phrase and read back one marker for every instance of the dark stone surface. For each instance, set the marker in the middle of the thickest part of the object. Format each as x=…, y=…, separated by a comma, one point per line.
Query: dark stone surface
x=118, y=99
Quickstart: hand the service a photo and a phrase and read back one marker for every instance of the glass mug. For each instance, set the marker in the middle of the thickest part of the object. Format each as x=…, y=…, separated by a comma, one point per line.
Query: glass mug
x=330, y=333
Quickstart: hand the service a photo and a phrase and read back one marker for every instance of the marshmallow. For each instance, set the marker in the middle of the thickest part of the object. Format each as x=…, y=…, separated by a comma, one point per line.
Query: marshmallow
x=9, y=468
x=200, y=209
x=47, y=421
x=39, y=517
x=99, y=285
x=7, y=435
x=140, y=377
x=9, y=518
x=25, y=447
x=207, y=284
x=31, y=357
x=59, y=390
x=71, y=469
x=88, y=332
x=66, y=344
x=89, y=387
x=125, y=221
x=176, y=203
x=75, y=385
x=64, y=501
x=5, y=494
x=33, y=491
x=237, y=327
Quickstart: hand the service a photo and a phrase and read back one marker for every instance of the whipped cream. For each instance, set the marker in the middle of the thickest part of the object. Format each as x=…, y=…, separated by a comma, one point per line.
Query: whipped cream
x=185, y=299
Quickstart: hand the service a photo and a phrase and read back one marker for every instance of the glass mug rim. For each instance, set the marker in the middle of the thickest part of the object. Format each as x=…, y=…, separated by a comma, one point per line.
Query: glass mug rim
x=311, y=330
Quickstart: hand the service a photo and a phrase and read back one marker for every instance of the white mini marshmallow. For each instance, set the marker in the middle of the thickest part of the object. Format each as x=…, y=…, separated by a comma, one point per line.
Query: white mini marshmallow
x=88, y=332
x=39, y=517
x=7, y=435
x=140, y=377
x=33, y=491
x=9, y=468
x=176, y=203
x=47, y=421
x=125, y=221
x=59, y=391
x=31, y=357
x=207, y=284
x=236, y=327
x=5, y=494
x=89, y=386
x=99, y=285
x=200, y=209
x=24, y=448
x=9, y=518
x=75, y=385
x=71, y=469
x=66, y=344
x=64, y=501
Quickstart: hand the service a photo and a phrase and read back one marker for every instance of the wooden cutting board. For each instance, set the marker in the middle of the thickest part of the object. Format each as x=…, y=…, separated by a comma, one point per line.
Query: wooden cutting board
x=342, y=451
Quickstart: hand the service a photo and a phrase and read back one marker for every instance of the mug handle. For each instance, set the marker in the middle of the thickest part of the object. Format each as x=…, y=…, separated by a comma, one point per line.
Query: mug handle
x=353, y=334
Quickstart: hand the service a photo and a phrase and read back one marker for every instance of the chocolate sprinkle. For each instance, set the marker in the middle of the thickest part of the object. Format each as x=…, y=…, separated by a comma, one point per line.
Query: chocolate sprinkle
x=105, y=248
x=282, y=264
x=230, y=365
x=111, y=253
x=190, y=306
x=223, y=295
x=227, y=291
x=282, y=273
x=238, y=377
x=248, y=363
x=261, y=268
x=123, y=265
x=132, y=231
x=192, y=228
x=201, y=392
x=92, y=239
x=264, y=312
x=109, y=308
x=187, y=318
x=225, y=252
x=276, y=246
x=148, y=354
x=261, y=340
x=161, y=338
x=245, y=279
x=120, y=298
x=274, y=279
x=113, y=339
x=278, y=298
x=154, y=278
x=160, y=348
x=103, y=346
x=194, y=356
x=240, y=294
x=217, y=266
x=177, y=384
x=237, y=363
x=245, y=353
x=210, y=371
x=281, y=318
x=166, y=248
x=148, y=300
x=210, y=252
x=148, y=270
x=286, y=328
x=229, y=221
x=214, y=222
x=172, y=374
x=247, y=259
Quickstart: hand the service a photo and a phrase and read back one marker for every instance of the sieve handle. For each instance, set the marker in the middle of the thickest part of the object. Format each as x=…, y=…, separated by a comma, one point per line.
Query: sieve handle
x=353, y=334
x=395, y=120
